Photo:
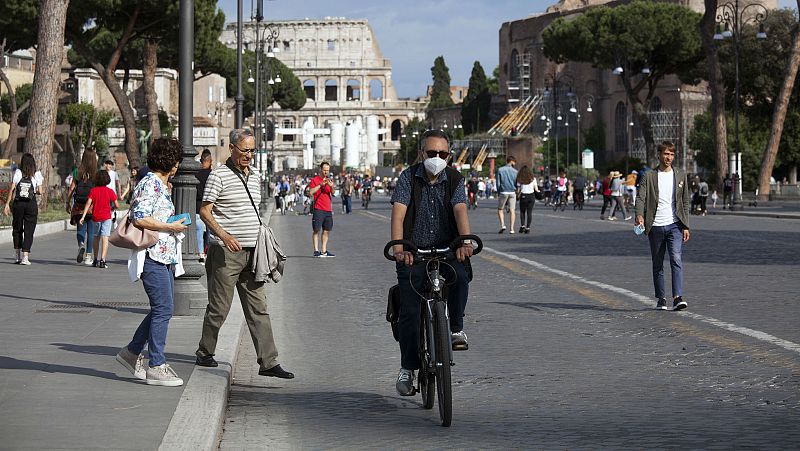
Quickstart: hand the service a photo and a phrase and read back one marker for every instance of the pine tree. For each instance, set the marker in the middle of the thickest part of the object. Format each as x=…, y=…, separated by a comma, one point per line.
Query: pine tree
x=475, y=109
x=440, y=94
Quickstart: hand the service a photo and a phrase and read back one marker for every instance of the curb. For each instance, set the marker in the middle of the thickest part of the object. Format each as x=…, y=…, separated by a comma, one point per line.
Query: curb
x=757, y=214
x=199, y=417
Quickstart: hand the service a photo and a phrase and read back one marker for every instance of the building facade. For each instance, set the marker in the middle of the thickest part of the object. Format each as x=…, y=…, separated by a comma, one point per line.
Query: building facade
x=347, y=81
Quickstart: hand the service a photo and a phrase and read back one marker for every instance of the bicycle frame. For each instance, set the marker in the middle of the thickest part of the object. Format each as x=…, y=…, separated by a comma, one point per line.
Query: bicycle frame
x=436, y=290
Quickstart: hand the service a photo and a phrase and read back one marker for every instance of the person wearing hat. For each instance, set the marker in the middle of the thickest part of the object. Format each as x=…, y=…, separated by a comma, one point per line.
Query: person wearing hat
x=630, y=186
x=617, y=190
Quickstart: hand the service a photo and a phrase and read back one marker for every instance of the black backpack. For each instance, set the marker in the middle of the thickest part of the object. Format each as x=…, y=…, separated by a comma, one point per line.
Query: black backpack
x=82, y=190
x=25, y=191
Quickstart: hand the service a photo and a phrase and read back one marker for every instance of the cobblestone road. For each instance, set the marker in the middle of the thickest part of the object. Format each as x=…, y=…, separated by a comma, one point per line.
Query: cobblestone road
x=553, y=362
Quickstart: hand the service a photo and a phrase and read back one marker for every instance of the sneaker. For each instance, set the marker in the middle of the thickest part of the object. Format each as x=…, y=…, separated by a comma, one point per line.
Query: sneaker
x=459, y=341
x=163, y=375
x=327, y=254
x=522, y=229
x=679, y=304
x=661, y=304
x=628, y=218
x=502, y=229
x=132, y=362
x=24, y=260
x=95, y=262
x=102, y=264
x=17, y=256
x=405, y=382
x=527, y=230
x=612, y=218
x=81, y=254
x=511, y=231
x=317, y=254
x=89, y=259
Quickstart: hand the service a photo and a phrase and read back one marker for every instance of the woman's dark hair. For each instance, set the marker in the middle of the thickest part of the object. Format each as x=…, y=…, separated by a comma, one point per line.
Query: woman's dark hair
x=164, y=154
x=27, y=165
x=102, y=178
x=88, y=167
x=525, y=176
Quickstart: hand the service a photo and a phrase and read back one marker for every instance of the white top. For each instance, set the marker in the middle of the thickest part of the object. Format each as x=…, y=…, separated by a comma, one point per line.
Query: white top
x=530, y=188
x=665, y=212
x=37, y=179
x=113, y=183
x=562, y=183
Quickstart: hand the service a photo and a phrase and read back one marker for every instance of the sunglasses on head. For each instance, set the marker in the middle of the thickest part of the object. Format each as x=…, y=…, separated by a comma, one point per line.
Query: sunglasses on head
x=443, y=154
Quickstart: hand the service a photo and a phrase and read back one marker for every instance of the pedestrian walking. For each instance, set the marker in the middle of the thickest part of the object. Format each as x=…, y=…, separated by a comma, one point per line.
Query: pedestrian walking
x=26, y=184
x=101, y=200
x=527, y=197
x=127, y=195
x=630, y=187
x=507, y=197
x=663, y=209
x=77, y=196
x=727, y=191
x=703, y=193
x=200, y=227
x=347, y=195
x=714, y=198
x=617, y=201
x=605, y=190
x=155, y=266
x=230, y=213
x=322, y=219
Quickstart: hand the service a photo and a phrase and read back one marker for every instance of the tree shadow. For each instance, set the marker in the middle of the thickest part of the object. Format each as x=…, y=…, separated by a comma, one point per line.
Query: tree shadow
x=538, y=306
x=112, y=351
x=10, y=363
x=83, y=304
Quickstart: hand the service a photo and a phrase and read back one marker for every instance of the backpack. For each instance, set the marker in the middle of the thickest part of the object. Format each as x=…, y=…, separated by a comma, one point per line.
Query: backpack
x=24, y=191
x=82, y=190
x=704, y=190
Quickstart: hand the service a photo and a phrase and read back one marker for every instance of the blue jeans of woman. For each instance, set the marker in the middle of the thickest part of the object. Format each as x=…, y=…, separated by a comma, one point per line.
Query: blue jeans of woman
x=157, y=280
x=411, y=305
x=84, y=230
x=667, y=238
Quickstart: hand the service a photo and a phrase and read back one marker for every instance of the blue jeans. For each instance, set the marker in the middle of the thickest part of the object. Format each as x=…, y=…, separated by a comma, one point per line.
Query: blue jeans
x=411, y=305
x=84, y=230
x=667, y=238
x=157, y=281
x=347, y=203
x=200, y=230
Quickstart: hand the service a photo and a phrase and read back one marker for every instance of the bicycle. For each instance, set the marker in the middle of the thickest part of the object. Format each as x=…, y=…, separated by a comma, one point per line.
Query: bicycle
x=436, y=352
x=366, y=196
x=562, y=201
x=578, y=197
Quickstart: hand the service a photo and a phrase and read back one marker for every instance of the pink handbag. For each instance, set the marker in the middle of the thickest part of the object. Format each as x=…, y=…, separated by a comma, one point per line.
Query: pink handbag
x=128, y=236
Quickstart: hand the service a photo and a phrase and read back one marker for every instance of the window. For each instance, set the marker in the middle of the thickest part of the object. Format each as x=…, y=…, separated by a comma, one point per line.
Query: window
x=353, y=90
x=397, y=130
x=310, y=89
x=331, y=91
x=221, y=93
x=288, y=123
x=286, y=46
x=514, y=65
x=331, y=44
x=210, y=93
x=375, y=89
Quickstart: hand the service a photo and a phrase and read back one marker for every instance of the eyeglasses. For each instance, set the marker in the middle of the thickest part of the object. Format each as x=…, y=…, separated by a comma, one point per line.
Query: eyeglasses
x=243, y=150
x=443, y=154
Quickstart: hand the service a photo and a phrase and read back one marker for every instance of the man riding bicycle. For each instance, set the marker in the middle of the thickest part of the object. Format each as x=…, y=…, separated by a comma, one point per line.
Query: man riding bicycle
x=429, y=208
x=366, y=191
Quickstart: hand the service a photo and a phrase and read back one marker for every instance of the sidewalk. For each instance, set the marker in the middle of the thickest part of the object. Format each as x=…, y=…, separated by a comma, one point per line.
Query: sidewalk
x=61, y=324
x=774, y=209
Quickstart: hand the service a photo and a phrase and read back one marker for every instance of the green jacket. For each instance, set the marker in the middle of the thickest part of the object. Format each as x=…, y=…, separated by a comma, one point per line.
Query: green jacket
x=647, y=198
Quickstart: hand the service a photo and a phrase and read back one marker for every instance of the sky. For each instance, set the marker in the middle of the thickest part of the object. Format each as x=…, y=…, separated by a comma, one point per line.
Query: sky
x=412, y=33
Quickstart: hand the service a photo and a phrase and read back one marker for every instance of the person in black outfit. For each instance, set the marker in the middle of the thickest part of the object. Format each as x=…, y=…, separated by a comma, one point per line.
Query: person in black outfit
x=26, y=185
x=202, y=177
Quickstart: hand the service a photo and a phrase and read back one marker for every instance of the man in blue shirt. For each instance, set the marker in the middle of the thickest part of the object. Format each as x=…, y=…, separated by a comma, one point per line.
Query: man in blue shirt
x=507, y=192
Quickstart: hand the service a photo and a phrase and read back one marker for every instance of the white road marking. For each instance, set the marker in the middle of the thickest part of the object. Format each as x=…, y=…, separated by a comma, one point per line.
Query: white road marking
x=757, y=334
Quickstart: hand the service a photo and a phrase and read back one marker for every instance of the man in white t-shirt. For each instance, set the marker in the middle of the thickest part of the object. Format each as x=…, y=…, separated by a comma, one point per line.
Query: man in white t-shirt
x=662, y=206
x=114, y=184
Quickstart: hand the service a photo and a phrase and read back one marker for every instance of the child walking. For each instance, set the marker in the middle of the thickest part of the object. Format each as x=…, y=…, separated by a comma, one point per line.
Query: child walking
x=100, y=199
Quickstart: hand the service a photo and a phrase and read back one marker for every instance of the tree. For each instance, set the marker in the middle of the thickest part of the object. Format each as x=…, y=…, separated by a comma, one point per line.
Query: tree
x=440, y=92
x=707, y=29
x=17, y=31
x=661, y=37
x=409, y=142
x=86, y=122
x=494, y=82
x=46, y=81
x=15, y=106
x=475, y=109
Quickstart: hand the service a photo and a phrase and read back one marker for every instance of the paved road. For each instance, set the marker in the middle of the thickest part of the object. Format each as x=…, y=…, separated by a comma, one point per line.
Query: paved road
x=565, y=349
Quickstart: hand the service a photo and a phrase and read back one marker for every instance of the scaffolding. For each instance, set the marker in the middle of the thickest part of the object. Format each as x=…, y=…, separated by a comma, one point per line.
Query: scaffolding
x=519, y=118
x=666, y=126
x=524, y=64
x=476, y=150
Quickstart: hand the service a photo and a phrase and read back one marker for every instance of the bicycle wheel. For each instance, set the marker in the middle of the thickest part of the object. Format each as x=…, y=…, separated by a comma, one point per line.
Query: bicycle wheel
x=426, y=378
x=443, y=388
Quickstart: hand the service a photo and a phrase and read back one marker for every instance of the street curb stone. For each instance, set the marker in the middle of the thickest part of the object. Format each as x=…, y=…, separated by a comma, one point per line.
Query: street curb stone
x=198, y=419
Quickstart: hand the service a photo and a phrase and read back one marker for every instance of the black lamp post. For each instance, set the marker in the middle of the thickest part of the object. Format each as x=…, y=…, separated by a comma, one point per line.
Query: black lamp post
x=730, y=18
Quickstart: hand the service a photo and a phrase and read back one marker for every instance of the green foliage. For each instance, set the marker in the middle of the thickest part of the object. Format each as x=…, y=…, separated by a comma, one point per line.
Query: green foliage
x=23, y=94
x=168, y=126
x=409, y=142
x=18, y=24
x=80, y=117
x=440, y=93
x=594, y=138
x=575, y=170
x=494, y=82
x=475, y=109
x=555, y=153
x=289, y=93
x=753, y=138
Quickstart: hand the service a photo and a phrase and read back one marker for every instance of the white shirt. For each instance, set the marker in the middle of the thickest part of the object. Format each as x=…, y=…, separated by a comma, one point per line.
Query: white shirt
x=528, y=188
x=113, y=183
x=37, y=179
x=665, y=212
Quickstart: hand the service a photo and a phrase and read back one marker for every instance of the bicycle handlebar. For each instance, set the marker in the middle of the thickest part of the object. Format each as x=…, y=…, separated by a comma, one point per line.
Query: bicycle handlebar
x=447, y=251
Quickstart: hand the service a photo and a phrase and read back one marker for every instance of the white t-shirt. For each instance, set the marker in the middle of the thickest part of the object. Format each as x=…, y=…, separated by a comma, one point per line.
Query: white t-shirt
x=665, y=212
x=562, y=183
x=37, y=179
x=113, y=183
x=528, y=188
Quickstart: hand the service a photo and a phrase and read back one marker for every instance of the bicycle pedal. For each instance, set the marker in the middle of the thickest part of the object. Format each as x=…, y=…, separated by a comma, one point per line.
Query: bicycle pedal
x=463, y=347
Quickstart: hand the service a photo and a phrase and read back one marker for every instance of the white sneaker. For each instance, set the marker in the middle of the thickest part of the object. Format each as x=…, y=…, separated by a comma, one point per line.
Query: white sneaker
x=133, y=363
x=89, y=259
x=24, y=260
x=163, y=375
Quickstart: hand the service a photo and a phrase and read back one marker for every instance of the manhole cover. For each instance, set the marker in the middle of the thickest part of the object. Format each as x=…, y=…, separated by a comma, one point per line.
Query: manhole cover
x=62, y=311
x=121, y=304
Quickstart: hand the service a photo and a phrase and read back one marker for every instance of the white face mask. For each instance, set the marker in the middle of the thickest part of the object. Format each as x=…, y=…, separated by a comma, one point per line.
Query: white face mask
x=435, y=165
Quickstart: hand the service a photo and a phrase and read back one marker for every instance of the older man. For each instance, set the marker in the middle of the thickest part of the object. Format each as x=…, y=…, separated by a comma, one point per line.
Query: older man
x=229, y=211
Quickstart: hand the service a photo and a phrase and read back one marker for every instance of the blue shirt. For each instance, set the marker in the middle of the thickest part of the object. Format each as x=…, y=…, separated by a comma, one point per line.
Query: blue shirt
x=507, y=179
x=431, y=224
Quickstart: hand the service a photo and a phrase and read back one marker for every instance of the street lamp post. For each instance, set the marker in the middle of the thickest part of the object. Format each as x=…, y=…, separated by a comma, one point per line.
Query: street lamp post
x=589, y=99
x=556, y=110
x=239, y=96
x=730, y=18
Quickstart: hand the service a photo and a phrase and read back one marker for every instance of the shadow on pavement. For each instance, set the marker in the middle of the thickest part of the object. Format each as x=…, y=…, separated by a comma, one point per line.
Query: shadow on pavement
x=112, y=351
x=16, y=364
x=354, y=405
x=144, y=310
x=538, y=306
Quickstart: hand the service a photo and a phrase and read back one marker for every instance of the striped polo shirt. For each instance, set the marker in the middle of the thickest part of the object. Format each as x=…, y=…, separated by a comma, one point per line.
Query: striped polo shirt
x=232, y=208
